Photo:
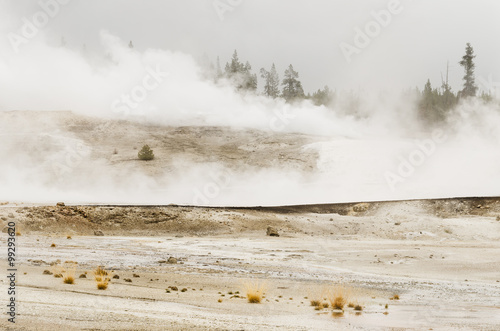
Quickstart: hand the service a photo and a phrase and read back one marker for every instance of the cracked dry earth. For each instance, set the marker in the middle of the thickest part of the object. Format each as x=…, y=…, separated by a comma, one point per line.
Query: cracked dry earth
x=441, y=257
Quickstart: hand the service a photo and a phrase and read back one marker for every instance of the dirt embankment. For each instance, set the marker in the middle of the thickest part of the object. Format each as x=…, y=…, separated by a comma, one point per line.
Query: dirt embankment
x=188, y=220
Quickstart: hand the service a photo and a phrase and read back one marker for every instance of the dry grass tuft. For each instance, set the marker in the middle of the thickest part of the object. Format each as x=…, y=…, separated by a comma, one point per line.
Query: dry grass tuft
x=69, y=280
x=317, y=296
x=68, y=271
x=358, y=308
x=395, y=297
x=53, y=245
x=254, y=291
x=101, y=277
x=315, y=303
x=338, y=296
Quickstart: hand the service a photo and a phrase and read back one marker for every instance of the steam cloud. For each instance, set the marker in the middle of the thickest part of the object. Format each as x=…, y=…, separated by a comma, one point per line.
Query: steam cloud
x=380, y=154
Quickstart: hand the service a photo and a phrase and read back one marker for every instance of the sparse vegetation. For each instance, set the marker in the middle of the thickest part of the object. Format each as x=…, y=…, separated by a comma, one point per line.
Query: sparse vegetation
x=315, y=303
x=395, y=297
x=146, y=153
x=53, y=245
x=68, y=271
x=68, y=237
x=69, y=279
x=358, y=308
x=254, y=291
x=338, y=296
x=101, y=277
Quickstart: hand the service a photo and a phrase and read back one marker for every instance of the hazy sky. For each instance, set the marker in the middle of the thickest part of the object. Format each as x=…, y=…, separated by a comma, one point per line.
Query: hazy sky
x=415, y=45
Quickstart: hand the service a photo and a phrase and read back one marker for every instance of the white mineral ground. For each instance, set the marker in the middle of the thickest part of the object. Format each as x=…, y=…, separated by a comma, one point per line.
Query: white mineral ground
x=441, y=257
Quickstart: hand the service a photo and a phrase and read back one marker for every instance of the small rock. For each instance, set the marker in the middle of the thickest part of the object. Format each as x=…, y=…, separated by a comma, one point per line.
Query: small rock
x=136, y=276
x=98, y=233
x=47, y=272
x=60, y=204
x=498, y=218
x=128, y=280
x=38, y=262
x=172, y=260
x=173, y=288
x=4, y=218
x=162, y=261
x=397, y=223
x=272, y=232
x=11, y=215
x=83, y=276
x=116, y=277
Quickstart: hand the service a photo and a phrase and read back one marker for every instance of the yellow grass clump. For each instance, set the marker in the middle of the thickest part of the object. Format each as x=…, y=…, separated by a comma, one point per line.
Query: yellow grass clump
x=254, y=291
x=101, y=277
x=339, y=295
x=317, y=297
x=68, y=272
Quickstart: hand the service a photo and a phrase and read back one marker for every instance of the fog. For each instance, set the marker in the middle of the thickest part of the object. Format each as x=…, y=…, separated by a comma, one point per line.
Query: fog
x=381, y=152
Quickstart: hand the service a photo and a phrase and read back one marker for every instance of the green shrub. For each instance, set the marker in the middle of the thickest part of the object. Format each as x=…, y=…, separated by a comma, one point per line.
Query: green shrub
x=146, y=153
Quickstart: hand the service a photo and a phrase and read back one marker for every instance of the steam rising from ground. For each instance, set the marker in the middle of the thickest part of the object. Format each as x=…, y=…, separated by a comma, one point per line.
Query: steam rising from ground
x=381, y=153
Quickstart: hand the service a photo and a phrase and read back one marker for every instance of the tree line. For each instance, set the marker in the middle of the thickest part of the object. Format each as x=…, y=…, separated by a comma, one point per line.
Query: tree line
x=433, y=106
x=435, y=103
x=243, y=79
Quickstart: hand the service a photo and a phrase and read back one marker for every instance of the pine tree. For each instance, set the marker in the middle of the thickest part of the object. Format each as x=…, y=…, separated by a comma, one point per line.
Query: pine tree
x=240, y=74
x=271, y=87
x=467, y=62
x=218, y=72
x=146, y=153
x=322, y=97
x=292, y=87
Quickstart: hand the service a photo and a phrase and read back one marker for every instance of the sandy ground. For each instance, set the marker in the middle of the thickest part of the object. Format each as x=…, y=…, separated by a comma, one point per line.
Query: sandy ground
x=441, y=257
